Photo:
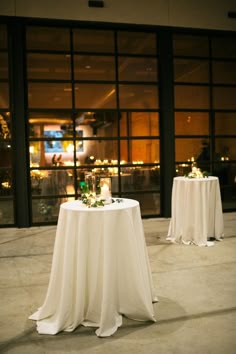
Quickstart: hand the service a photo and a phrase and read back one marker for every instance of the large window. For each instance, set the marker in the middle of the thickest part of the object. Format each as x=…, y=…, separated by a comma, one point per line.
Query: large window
x=205, y=110
x=139, y=104
x=224, y=109
x=6, y=168
x=192, y=100
x=92, y=108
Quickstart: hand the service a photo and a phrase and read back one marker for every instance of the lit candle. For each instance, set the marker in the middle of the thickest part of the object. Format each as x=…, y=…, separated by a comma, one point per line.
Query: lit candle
x=105, y=193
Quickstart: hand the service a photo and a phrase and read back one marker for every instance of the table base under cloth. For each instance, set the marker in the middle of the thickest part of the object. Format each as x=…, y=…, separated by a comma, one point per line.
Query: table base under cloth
x=100, y=270
x=196, y=211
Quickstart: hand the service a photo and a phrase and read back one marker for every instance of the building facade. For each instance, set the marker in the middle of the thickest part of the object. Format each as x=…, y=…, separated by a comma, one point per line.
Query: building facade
x=138, y=102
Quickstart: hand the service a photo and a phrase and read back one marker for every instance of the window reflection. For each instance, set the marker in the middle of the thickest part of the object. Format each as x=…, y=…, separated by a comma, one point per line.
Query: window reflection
x=4, y=94
x=3, y=66
x=48, y=38
x=139, y=124
x=224, y=72
x=63, y=152
x=95, y=96
x=192, y=97
x=225, y=149
x=137, y=69
x=49, y=95
x=138, y=96
x=149, y=202
x=55, y=152
x=189, y=149
x=98, y=124
x=136, y=42
x=91, y=67
x=3, y=37
x=42, y=122
x=51, y=182
x=139, y=178
x=90, y=40
x=6, y=182
x=46, y=209
x=224, y=97
x=191, y=45
x=191, y=123
x=226, y=172
x=225, y=123
x=99, y=152
x=186, y=70
x=140, y=151
x=5, y=127
x=48, y=66
x=224, y=47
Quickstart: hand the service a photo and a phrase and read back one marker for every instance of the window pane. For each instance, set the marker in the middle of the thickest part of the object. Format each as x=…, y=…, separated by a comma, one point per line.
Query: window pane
x=191, y=97
x=6, y=183
x=182, y=169
x=48, y=38
x=137, y=178
x=98, y=124
x=191, y=123
x=188, y=45
x=56, y=151
x=225, y=123
x=3, y=37
x=5, y=128
x=51, y=182
x=226, y=172
x=60, y=122
x=139, y=123
x=224, y=97
x=6, y=210
x=46, y=209
x=44, y=95
x=191, y=70
x=3, y=66
x=5, y=153
x=137, y=69
x=138, y=96
x=144, y=123
x=48, y=66
x=125, y=179
x=149, y=202
x=124, y=152
x=99, y=152
x=224, y=47
x=4, y=94
x=225, y=149
x=88, y=67
x=190, y=150
x=85, y=40
x=224, y=72
x=95, y=96
x=136, y=42
x=140, y=151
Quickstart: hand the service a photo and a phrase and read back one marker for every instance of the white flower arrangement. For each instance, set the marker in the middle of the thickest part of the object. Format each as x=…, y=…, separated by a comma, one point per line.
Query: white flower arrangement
x=197, y=173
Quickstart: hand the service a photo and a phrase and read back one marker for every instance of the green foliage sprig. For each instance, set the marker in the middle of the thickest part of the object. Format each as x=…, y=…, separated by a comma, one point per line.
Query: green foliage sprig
x=91, y=200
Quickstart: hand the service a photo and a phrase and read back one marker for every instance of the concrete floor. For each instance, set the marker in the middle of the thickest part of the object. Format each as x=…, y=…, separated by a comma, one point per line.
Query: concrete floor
x=196, y=287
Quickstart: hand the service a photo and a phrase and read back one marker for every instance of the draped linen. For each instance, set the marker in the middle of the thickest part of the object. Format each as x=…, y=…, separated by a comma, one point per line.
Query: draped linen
x=100, y=270
x=196, y=211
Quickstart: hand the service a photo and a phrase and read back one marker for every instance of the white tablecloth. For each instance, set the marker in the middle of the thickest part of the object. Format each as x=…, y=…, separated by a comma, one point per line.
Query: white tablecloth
x=100, y=270
x=196, y=211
